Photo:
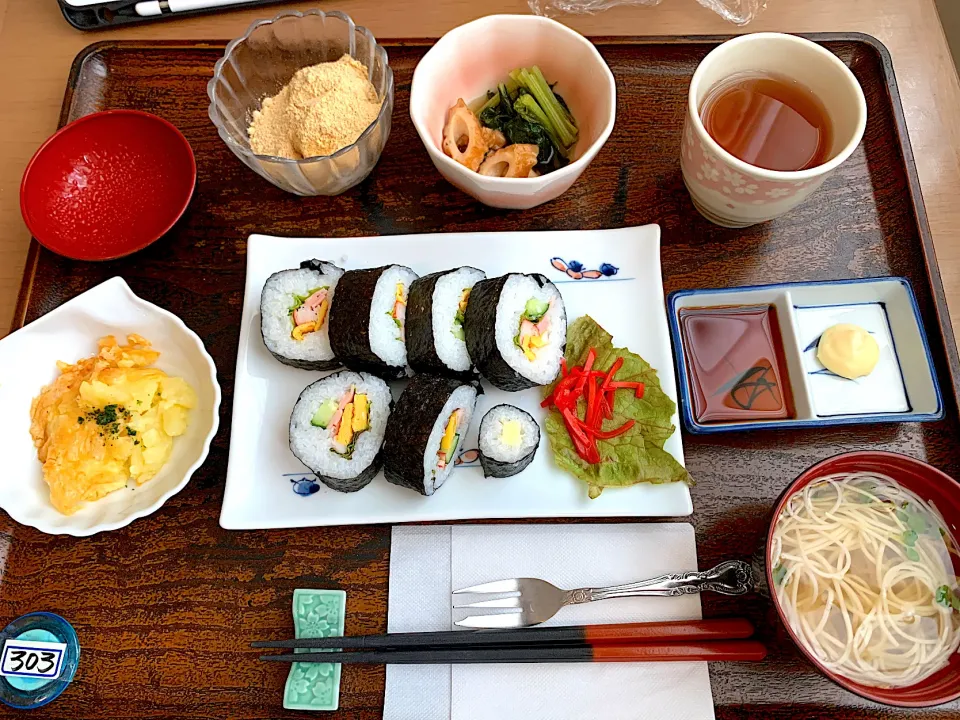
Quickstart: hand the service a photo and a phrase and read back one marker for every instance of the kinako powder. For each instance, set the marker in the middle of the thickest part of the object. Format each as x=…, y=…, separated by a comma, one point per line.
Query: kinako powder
x=322, y=109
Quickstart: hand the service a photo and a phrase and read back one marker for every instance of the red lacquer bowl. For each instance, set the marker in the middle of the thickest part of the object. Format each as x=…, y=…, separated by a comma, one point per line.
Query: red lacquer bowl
x=930, y=484
x=107, y=185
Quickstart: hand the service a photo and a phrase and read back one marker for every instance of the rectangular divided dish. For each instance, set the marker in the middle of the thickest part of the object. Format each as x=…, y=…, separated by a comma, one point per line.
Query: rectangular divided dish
x=903, y=387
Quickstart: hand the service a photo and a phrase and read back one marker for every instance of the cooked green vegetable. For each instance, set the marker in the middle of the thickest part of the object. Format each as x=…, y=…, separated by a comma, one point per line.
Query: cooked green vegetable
x=947, y=597
x=321, y=418
x=636, y=455
x=527, y=111
x=561, y=122
x=779, y=572
x=535, y=309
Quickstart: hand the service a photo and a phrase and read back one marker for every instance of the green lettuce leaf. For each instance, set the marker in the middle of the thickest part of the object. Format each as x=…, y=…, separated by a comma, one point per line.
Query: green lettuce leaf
x=637, y=455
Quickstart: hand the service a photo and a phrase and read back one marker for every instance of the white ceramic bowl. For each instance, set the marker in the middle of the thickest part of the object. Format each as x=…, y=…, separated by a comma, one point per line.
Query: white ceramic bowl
x=473, y=58
x=28, y=361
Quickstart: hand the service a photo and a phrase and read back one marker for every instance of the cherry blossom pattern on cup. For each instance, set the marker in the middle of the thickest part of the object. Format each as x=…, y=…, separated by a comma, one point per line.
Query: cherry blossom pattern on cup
x=714, y=174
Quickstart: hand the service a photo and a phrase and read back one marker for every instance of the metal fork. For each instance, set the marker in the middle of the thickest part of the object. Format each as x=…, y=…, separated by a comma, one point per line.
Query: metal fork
x=535, y=601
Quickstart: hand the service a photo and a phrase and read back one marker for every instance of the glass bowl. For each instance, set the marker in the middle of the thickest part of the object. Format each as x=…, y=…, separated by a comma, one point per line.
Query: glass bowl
x=260, y=63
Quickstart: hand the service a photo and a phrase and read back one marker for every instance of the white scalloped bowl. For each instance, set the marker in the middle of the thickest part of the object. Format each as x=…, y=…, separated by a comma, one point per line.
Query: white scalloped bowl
x=28, y=361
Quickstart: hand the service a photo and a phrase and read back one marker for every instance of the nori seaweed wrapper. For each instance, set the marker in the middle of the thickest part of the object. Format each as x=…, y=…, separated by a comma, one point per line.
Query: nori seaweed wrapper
x=321, y=266
x=410, y=425
x=304, y=364
x=480, y=326
x=350, y=324
x=349, y=485
x=500, y=469
x=421, y=349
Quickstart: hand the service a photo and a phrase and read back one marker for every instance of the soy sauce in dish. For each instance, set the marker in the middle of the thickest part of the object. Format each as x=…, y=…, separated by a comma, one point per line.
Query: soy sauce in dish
x=735, y=363
x=768, y=121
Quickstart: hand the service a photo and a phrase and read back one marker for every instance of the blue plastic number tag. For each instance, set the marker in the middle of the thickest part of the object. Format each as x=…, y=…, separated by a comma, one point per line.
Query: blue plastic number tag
x=32, y=659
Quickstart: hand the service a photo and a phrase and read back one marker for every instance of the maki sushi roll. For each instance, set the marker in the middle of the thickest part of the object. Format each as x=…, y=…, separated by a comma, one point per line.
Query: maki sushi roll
x=509, y=438
x=294, y=310
x=435, y=339
x=337, y=428
x=368, y=320
x=516, y=330
x=432, y=415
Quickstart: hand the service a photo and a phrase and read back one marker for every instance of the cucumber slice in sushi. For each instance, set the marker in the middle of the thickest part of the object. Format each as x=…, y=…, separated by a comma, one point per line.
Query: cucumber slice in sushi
x=509, y=438
x=435, y=313
x=423, y=435
x=294, y=315
x=516, y=330
x=343, y=452
x=368, y=321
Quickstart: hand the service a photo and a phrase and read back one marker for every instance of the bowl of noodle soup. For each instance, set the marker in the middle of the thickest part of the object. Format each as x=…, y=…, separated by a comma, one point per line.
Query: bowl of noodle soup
x=862, y=566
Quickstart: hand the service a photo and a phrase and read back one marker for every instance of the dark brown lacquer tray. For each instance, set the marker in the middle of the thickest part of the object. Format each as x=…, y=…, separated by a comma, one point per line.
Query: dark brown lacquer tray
x=165, y=608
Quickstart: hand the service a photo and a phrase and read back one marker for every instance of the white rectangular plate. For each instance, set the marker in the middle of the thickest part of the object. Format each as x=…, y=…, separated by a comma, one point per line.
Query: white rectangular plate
x=264, y=480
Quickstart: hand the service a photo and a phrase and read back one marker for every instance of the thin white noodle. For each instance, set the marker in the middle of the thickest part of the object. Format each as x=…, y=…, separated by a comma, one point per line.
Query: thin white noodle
x=860, y=560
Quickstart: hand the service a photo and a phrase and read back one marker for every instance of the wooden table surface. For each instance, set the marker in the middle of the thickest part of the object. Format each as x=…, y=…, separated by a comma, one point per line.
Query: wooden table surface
x=37, y=47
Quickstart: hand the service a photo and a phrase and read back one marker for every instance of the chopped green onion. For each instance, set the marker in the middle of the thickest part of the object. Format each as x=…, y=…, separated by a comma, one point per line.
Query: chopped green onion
x=779, y=572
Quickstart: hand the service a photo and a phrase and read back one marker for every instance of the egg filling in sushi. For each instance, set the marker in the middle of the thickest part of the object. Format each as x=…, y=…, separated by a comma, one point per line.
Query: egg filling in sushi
x=309, y=312
x=344, y=419
x=534, y=330
x=399, y=311
x=509, y=438
x=447, y=453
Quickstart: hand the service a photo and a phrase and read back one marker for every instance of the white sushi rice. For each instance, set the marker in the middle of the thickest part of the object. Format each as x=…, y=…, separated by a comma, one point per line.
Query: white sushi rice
x=313, y=445
x=387, y=341
x=463, y=398
x=447, y=292
x=491, y=430
x=517, y=290
x=276, y=322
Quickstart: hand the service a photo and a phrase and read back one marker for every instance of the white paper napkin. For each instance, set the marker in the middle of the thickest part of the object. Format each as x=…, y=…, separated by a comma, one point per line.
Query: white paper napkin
x=428, y=563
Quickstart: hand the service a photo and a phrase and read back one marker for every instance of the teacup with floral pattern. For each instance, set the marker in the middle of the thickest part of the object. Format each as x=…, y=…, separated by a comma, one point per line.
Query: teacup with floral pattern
x=732, y=193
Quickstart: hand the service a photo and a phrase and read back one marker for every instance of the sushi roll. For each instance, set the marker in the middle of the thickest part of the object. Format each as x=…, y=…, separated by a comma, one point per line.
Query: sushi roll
x=294, y=309
x=435, y=339
x=368, y=320
x=337, y=428
x=516, y=330
x=432, y=415
x=509, y=438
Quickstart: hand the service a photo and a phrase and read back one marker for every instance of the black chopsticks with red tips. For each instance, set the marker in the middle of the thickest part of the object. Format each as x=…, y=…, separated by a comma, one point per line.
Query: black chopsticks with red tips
x=677, y=641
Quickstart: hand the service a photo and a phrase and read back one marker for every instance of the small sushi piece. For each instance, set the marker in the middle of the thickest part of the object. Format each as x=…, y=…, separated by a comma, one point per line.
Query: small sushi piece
x=516, y=330
x=509, y=438
x=337, y=428
x=368, y=321
x=294, y=315
x=435, y=339
x=425, y=430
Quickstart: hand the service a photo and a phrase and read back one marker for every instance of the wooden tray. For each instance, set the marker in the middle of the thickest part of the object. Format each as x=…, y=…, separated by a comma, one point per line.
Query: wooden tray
x=165, y=608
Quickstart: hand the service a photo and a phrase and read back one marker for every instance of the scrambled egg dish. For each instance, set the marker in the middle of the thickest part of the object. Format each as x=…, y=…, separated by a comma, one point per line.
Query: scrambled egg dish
x=107, y=419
